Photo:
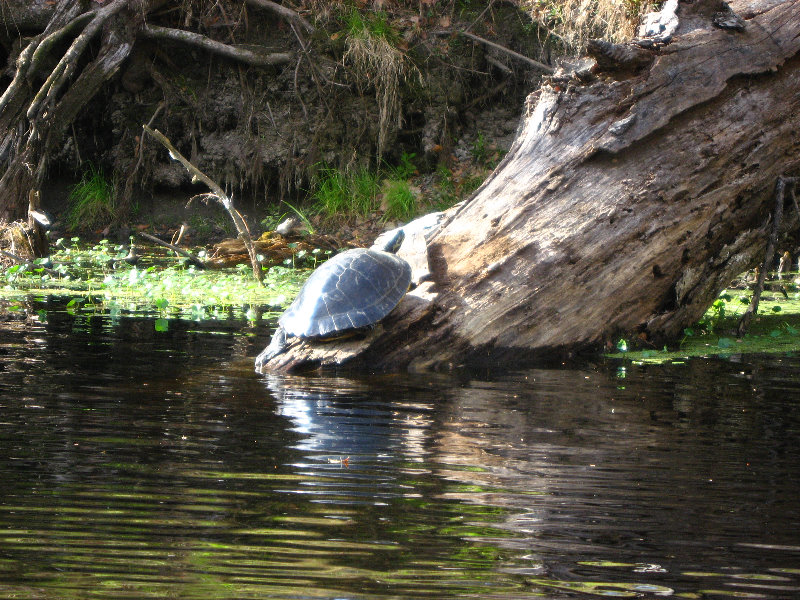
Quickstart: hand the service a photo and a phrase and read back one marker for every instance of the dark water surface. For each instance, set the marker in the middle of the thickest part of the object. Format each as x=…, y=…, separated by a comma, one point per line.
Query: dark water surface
x=137, y=464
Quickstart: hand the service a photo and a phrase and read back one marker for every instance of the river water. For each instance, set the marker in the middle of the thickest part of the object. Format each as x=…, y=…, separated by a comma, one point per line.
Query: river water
x=144, y=464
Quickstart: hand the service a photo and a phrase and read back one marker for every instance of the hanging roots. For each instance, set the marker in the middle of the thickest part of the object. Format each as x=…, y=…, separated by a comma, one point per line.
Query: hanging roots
x=378, y=63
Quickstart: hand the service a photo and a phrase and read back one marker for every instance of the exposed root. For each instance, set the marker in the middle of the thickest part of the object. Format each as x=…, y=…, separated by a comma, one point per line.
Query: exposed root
x=258, y=59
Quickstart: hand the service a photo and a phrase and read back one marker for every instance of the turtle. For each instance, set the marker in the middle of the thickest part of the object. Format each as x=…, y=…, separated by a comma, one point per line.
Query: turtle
x=351, y=291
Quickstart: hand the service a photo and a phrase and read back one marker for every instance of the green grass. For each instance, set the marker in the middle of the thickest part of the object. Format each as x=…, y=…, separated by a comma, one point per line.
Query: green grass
x=400, y=200
x=338, y=193
x=373, y=24
x=358, y=193
x=91, y=201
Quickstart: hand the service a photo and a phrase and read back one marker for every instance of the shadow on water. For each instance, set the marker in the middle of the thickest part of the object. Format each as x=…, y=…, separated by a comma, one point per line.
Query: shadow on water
x=144, y=464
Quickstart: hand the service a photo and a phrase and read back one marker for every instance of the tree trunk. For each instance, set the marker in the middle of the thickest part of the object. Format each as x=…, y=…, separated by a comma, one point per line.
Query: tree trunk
x=624, y=206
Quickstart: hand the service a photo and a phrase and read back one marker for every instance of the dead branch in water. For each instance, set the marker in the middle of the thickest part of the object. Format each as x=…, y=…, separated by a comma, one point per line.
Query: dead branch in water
x=192, y=258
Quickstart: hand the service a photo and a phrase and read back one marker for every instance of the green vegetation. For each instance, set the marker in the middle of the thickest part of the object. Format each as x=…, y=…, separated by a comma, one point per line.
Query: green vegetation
x=401, y=201
x=91, y=201
x=776, y=329
x=345, y=193
x=86, y=274
x=370, y=24
x=394, y=190
x=405, y=168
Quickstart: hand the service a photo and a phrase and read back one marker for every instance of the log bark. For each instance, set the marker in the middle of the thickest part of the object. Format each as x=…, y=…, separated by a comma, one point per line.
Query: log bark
x=623, y=207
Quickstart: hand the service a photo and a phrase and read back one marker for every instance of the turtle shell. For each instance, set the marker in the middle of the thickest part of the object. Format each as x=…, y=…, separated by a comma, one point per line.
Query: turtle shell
x=353, y=289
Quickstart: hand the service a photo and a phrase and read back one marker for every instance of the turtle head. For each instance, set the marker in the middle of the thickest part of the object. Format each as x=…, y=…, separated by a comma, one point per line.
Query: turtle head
x=394, y=243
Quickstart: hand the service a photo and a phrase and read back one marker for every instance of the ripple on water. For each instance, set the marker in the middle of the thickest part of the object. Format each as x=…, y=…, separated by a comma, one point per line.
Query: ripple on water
x=144, y=465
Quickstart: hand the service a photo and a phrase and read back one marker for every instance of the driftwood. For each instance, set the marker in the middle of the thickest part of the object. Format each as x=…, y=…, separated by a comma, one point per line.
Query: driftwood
x=629, y=199
x=186, y=254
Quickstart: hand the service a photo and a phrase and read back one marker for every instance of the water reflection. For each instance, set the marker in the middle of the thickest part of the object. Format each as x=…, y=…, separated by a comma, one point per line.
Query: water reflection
x=137, y=464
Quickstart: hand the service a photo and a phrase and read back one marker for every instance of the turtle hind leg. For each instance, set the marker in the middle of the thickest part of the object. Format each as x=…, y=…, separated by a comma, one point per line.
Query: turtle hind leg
x=276, y=346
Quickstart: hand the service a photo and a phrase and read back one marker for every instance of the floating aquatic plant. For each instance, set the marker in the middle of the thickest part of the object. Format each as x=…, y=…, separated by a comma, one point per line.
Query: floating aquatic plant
x=94, y=280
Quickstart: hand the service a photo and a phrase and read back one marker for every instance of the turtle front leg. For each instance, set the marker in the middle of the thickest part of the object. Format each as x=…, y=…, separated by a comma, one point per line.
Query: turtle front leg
x=276, y=346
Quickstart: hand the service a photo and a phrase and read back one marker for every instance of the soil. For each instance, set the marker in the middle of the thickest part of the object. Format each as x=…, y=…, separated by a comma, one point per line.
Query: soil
x=263, y=133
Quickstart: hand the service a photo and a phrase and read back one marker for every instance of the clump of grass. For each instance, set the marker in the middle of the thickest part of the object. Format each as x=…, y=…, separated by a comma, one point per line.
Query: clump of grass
x=371, y=49
x=92, y=201
x=405, y=168
x=400, y=200
x=339, y=193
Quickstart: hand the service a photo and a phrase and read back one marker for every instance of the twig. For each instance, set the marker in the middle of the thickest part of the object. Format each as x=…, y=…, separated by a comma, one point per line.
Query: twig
x=128, y=191
x=480, y=16
x=192, y=258
x=509, y=51
x=311, y=66
x=176, y=238
x=218, y=193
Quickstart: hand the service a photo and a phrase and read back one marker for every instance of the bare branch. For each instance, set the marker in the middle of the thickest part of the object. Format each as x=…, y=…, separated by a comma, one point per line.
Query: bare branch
x=218, y=193
x=244, y=55
x=509, y=51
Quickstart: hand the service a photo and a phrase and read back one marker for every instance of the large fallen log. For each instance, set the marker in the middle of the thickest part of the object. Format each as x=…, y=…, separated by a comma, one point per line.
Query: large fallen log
x=630, y=198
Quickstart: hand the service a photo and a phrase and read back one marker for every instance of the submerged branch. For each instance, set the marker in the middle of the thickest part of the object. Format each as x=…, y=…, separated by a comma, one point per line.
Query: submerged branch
x=28, y=263
x=218, y=193
x=192, y=258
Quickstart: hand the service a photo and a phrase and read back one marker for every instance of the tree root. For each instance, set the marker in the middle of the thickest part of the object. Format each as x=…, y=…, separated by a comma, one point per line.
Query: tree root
x=244, y=55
